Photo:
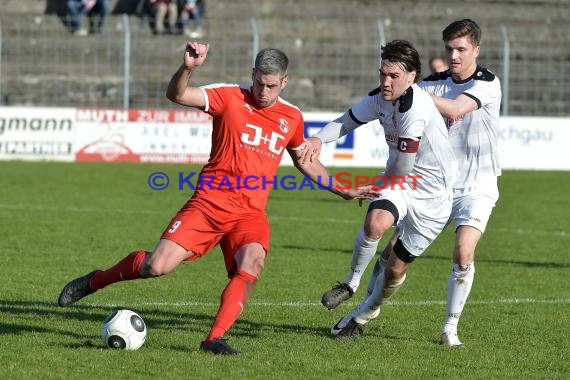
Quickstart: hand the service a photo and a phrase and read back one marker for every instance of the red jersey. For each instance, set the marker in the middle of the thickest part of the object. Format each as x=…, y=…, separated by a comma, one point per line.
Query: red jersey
x=247, y=146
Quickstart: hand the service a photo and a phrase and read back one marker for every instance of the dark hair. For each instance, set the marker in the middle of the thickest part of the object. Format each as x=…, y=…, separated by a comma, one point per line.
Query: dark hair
x=403, y=52
x=271, y=61
x=461, y=28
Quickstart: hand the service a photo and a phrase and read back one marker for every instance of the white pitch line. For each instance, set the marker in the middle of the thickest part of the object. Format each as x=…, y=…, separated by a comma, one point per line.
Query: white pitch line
x=78, y=209
x=527, y=232
x=507, y=301
x=517, y=231
x=512, y=301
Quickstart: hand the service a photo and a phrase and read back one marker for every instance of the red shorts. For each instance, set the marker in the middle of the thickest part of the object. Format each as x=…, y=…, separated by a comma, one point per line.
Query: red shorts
x=199, y=231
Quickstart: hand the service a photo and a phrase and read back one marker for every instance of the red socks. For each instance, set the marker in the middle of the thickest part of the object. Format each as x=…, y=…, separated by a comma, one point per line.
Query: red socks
x=233, y=299
x=126, y=269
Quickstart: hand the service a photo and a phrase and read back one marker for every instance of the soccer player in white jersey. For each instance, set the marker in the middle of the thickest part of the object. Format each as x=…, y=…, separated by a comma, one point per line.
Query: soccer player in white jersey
x=469, y=98
x=419, y=150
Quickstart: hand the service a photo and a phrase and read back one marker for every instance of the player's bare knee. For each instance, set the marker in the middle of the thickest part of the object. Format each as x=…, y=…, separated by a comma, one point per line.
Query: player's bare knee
x=463, y=254
x=373, y=233
x=153, y=267
x=256, y=265
x=158, y=270
x=375, y=228
x=151, y=270
x=382, y=214
x=395, y=273
x=251, y=259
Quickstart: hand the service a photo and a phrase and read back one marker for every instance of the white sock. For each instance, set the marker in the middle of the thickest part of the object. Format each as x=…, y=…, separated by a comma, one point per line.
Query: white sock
x=383, y=290
x=363, y=251
x=378, y=268
x=458, y=288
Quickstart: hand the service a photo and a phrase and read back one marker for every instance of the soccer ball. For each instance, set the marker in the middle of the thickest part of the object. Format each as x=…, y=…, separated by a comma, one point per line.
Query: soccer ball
x=123, y=329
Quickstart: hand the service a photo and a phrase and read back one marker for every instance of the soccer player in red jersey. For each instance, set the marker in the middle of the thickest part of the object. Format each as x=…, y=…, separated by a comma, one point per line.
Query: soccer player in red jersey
x=252, y=127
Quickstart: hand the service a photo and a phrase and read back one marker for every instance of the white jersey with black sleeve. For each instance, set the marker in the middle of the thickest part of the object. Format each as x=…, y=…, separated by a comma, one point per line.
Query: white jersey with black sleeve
x=473, y=136
x=413, y=116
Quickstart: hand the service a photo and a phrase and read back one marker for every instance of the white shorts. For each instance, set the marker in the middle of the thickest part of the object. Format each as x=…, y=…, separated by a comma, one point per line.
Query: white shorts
x=473, y=206
x=420, y=221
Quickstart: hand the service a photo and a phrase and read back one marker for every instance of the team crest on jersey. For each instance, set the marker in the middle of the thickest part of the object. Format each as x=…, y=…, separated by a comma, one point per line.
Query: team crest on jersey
x=283, y=125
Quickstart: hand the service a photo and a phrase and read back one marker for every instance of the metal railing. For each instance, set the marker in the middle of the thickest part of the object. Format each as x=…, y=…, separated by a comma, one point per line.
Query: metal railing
x=332, y=64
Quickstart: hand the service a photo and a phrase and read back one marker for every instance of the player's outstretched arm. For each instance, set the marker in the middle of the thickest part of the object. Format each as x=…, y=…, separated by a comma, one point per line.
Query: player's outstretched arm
x=310, y=150
x=178, y=89
x=320, y=175
x=329, y=133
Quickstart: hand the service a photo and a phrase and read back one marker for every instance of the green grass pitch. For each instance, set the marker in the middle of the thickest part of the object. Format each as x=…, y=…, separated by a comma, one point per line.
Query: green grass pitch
x=62, y=220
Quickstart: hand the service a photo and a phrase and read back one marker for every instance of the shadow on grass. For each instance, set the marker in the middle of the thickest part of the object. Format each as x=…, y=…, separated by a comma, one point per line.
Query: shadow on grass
x=46, y=317
x=529, y=264
x=311, y=249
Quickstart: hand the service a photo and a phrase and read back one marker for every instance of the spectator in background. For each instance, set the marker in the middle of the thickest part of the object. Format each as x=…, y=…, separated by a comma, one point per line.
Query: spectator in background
x=96, y=11
x=160, y=8
x=194, y=9
x=437, y=65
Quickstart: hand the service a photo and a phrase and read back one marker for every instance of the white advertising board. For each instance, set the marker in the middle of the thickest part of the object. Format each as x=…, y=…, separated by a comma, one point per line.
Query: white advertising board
x=529, y=143
x=160, y=136
x=184, y=136
x=535, y=143
x=37, y=133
